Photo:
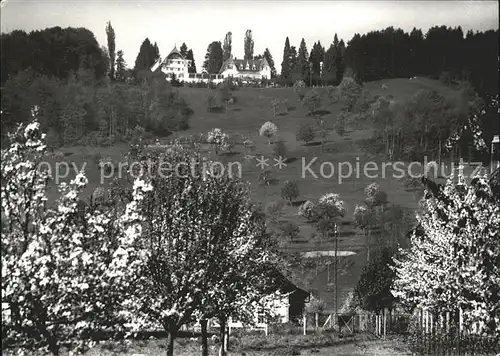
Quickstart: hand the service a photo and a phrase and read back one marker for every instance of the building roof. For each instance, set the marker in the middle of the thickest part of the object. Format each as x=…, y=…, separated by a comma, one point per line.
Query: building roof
x=258, y=63
x=286, y=284
x=174, y=53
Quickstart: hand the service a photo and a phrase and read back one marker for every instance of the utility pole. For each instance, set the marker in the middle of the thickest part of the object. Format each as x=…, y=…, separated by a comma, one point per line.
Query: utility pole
x=321, y=73
x=336, y=234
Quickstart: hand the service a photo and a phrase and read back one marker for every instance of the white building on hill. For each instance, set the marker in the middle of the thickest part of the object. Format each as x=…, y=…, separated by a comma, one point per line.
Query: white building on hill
x=253, y=69
x=176, y=63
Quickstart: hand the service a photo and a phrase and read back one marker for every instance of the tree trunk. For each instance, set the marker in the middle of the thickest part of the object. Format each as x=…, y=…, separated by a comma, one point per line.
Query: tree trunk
x=204, y=337
x=439, y=152
x=170, y=342
x=368, y=245
x=223, y=345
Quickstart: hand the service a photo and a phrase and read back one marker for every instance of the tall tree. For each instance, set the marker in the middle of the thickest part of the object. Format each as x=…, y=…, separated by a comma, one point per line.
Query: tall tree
x=184, y=49
x=192, y=64
x=148, y=55
x=227, y=46
x=339, y=60
x=110, y=34
x=292, y=59
x=316, y=57
x=121, y=67
x=248, y=45
x=156, y=52
x=213, y=58
x=270, y=61
x=303, y=62
x=286, y=65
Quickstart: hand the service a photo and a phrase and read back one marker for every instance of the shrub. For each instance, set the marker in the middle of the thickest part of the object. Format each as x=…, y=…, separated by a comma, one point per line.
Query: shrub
x=375, y=196
x=211, y=102
x=99, y=195
x=285, y=104
x=273, y=209
x=305, y=133
x=312, y=101
x=265, y=177
x=280, y=149
x=333, y=94
x=275, y=104
x=217, y=138
x=289, y=230
x=411, y=183
x=249, y=144
x=340, y=124
x=349, y=92
x=299, y=88
x=309, y=211
x=290, y=191
x=269, y=130
x=445, y=78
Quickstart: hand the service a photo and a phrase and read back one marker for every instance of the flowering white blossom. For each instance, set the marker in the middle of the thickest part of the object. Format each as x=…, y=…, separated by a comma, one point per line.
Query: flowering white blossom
x=308, y=210
x=455, y=262
x=199, y=254
x=332, y=204
x=55, y=259
x=268, y=130
x=219, y=139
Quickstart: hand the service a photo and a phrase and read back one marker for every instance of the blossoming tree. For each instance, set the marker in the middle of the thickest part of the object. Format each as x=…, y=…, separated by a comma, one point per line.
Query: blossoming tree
x=200, y=242
x=219, y=139
x=268, y=130
x=454, y=259
x=58, y=263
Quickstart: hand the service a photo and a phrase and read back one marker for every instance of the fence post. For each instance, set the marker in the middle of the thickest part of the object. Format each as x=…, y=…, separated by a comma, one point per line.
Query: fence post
x=316, y=320
x=385, y=322
x=460, y=322
x=304, y=321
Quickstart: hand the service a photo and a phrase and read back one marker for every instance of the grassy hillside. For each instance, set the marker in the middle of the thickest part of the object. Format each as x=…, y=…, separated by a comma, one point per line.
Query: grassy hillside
x=253, y=108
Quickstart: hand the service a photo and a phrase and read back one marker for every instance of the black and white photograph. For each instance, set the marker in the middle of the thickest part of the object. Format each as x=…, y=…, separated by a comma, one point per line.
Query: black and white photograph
x=250, y=178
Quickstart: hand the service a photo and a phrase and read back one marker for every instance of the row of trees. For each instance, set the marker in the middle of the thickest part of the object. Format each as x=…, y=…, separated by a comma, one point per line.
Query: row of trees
x=81, y=110
x=393, y=53
x=218, y=52
x=53, y=52
x=169, y=251
x=319, y=67
x=451, y=265
x=430, y=124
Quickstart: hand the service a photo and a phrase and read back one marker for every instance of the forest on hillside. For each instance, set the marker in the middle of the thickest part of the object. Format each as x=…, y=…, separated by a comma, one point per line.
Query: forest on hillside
x=83, y=88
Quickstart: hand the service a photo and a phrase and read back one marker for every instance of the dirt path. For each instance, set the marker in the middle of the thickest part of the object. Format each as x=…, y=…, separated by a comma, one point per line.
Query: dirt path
x=358, y=348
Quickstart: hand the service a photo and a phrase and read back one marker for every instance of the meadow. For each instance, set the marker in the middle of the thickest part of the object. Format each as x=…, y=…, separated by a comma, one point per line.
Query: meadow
x=251, y=109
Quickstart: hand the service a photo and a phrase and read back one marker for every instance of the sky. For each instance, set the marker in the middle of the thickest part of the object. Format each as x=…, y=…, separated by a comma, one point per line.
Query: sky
x=198, y=23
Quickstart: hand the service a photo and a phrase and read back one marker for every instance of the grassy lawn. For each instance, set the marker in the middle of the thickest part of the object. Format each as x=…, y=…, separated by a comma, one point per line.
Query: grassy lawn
x=258, y=345
x=253, y=108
